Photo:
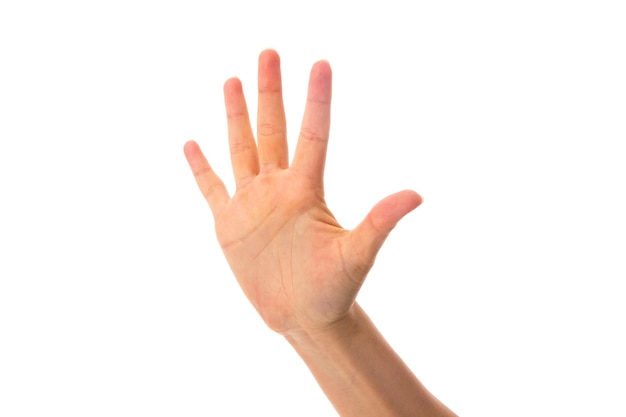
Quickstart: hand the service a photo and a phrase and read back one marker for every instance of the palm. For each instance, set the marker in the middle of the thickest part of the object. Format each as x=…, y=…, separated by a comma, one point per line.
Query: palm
x=294, y=262
x=285, y=248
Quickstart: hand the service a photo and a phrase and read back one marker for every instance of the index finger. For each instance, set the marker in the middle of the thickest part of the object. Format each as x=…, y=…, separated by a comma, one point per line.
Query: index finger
x=310, y=154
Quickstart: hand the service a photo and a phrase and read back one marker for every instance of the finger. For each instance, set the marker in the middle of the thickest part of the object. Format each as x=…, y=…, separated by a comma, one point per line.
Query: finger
x=271, y=124
x=310, y=154
x=243, y=152
x=210, y=184
x=368, y=237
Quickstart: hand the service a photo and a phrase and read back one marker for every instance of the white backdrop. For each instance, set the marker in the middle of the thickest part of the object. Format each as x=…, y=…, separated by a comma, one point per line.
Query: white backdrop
x=502, y=291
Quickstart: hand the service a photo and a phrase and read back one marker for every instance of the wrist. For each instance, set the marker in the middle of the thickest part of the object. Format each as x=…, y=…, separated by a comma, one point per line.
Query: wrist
x=317, y=339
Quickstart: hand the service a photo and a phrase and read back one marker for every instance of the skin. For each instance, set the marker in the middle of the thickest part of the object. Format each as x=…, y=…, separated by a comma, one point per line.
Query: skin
x=298, y=267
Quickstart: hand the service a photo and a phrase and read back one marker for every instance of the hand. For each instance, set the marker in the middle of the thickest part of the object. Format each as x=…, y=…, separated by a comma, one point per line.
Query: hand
x=298, y=267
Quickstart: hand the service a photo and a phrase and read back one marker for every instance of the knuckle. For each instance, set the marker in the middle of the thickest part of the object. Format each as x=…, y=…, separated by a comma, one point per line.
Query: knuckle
x=244, y=180
x=238, y=147
x=270, y=90
x=311, y=135
x=210, y=189
x=234, y=115
x=201, y=171
x=269, y=129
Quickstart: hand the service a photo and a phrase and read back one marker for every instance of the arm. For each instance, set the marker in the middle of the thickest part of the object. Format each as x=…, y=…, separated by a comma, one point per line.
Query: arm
x=298, y=267
x=361, y=374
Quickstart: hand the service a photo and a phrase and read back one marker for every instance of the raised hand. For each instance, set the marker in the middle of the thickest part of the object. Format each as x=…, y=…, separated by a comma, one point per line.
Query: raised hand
x=298, y=267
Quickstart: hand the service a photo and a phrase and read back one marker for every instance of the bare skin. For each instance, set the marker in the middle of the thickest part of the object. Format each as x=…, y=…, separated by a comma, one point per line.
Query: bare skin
x=298, y=267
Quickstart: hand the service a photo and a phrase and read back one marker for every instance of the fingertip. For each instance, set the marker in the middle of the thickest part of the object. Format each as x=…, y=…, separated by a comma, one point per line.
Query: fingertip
x=320, y=82
x=269, y=76
x=190, y=144
x=413, y=199
x=391, y=209
x=322, y=69
x=190, y=148
x=232, y=85
x=194, y=154
x=268, y=55
x=404, y=202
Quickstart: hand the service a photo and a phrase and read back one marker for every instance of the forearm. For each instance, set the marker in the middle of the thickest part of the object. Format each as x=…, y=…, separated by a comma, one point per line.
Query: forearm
x=361, y=374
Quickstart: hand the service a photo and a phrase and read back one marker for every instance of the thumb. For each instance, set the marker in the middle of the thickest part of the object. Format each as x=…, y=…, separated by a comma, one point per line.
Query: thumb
x=368, y=237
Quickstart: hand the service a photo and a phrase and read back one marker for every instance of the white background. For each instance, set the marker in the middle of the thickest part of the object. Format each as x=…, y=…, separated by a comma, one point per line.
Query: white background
x=503, y=291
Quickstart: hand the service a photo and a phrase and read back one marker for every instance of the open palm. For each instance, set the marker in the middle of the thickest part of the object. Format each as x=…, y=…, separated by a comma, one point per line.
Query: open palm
x=295, y=263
